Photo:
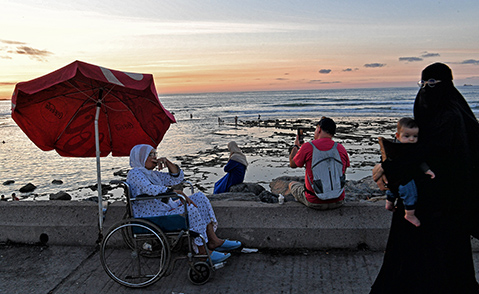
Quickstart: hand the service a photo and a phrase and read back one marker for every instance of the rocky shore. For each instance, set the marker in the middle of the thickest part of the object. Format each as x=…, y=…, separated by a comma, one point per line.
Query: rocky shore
x=267, y=144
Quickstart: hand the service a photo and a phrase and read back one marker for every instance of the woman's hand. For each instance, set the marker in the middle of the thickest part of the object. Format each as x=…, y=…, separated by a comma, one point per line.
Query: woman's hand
x=188, y=200
x=164, y=162
x=380, y=178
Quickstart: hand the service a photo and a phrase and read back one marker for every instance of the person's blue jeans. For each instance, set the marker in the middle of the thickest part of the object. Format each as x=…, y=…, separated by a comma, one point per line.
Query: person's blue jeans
x=408, y=193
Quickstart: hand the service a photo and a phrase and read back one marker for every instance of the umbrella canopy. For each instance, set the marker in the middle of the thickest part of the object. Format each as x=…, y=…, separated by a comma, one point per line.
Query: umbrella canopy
x=84, y=110
x=57, y=111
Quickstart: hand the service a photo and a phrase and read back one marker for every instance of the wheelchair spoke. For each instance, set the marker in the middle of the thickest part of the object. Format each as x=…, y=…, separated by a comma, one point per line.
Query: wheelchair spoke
x=138, y=261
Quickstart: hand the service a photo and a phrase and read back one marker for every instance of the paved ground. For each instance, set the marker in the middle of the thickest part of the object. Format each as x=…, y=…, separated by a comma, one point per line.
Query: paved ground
x=57, y=269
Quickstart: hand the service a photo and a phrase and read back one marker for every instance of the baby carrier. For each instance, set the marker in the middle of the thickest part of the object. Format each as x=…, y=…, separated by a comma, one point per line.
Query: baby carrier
x=327, y=167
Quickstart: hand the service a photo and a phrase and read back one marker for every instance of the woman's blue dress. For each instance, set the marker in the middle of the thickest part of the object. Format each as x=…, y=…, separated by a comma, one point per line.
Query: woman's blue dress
x=235, y=172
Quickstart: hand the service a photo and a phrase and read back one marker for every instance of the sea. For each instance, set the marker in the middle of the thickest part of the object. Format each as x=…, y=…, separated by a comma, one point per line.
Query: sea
x=204, y=121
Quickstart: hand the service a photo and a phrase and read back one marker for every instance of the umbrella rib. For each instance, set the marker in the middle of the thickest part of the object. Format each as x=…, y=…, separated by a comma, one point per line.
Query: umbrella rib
x=127, y=108
x=93, y=99
x=90, y=98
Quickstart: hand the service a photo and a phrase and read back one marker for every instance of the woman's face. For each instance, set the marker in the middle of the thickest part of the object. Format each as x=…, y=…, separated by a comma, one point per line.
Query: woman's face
x=151, y=161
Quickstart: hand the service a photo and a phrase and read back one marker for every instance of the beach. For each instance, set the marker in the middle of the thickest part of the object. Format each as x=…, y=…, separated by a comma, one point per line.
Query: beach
x=266, y=144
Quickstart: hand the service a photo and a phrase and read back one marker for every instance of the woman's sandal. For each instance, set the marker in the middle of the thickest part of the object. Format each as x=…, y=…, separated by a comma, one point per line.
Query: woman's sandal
x=228, y=245
x=217, y=257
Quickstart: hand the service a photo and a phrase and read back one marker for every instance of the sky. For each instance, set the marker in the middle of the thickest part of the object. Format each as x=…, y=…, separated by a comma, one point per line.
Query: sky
x=193, y=46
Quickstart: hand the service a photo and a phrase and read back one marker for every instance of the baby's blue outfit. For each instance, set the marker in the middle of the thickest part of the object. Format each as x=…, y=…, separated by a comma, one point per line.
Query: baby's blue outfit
x=407, y=192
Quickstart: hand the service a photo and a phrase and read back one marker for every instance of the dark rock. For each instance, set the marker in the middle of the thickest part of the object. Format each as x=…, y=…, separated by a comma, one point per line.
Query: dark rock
x=57, y=182
x=268, y=197
x=92, y=198
x=362, y=189
x=289, y=197
x=229, y=196
x=121, y=173
x=62, y=195
x=104, y=188
x=9, y=182
x=28, y=188
x=247, y=188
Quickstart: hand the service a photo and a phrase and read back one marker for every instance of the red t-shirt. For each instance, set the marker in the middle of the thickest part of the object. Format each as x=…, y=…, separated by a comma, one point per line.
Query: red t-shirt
x=304, y=158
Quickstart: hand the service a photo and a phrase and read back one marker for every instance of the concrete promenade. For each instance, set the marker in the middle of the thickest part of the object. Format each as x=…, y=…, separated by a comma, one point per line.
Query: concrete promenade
x=256, y=224
x=300, y=250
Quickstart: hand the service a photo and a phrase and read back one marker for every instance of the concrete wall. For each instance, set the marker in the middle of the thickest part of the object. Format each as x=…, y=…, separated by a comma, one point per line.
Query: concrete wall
x=256, y=224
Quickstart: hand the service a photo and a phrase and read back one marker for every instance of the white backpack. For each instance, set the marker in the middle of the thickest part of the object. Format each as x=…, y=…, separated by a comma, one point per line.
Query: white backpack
x=328, y=179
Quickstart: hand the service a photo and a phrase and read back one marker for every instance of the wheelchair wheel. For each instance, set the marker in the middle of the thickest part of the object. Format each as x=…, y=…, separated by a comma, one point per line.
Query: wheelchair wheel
x=126, y=233
x=141, y=259
x=200, y=273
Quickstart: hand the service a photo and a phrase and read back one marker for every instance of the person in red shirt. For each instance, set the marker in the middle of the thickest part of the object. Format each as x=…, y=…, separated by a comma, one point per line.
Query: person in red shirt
x=302, y=155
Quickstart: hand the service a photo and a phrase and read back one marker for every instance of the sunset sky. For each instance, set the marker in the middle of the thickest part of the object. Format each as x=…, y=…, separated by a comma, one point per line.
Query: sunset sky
x=246, y=45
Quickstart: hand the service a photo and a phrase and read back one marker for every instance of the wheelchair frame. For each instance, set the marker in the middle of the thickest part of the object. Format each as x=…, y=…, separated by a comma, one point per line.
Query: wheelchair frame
x=136, y=252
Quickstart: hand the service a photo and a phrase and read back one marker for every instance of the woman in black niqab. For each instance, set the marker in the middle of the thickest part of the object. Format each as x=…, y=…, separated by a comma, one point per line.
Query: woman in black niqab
x=436, y=257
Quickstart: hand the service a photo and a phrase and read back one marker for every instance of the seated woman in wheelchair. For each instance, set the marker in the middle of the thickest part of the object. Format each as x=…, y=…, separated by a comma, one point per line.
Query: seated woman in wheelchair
x=143, y=179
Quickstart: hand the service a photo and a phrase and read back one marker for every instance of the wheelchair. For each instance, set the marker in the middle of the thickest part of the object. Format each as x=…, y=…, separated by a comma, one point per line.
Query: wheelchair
x=137, y=252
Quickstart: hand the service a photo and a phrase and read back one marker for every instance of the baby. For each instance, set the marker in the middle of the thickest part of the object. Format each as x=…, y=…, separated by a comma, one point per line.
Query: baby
x=407, y=132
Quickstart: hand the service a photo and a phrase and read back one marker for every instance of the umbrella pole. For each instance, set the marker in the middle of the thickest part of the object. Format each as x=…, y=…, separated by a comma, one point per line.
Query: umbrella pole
x=98, y=169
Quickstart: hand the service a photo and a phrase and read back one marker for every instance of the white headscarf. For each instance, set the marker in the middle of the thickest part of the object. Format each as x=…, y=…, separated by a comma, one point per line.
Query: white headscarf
x=236, y=154
x=138, y=156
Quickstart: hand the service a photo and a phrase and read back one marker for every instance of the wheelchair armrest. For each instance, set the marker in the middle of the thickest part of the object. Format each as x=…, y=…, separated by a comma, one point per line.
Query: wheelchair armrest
x=159, y=196
x=116, y=182
x=168, y=194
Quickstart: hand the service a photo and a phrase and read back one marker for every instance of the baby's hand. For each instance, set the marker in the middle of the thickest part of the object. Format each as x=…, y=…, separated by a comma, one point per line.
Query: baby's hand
x=431, y=174
x=389, y=205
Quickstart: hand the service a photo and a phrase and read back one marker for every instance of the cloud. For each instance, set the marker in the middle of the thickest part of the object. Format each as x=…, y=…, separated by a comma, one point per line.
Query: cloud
x=410, y=59
x=21, y=48
x=33, y=53
x=324, y=71
x=374, y=65
x=321, y=82
x=350, y=69
x=427, y=54
x=281, y=79
x=12, y=42
x=471, y=61
x=7, y=83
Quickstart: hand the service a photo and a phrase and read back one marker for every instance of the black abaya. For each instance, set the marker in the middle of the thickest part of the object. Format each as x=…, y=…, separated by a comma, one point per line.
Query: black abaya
x=436, y=257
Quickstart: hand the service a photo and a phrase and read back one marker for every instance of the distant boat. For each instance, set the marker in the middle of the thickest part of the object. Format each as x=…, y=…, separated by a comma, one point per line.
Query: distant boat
x=467, y=85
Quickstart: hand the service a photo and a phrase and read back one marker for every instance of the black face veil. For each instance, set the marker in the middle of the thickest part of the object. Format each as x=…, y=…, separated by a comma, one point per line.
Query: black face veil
x=440, y=111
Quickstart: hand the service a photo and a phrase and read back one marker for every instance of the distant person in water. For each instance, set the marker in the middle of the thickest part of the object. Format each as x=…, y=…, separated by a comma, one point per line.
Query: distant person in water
x=235, y=169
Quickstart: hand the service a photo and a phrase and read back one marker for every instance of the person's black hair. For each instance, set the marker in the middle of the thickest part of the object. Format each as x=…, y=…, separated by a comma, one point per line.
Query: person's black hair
x=406, y=122
x=328, y=125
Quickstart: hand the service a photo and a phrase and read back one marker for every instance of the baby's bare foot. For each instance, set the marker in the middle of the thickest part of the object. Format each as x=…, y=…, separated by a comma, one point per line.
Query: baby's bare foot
x=412, y=219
